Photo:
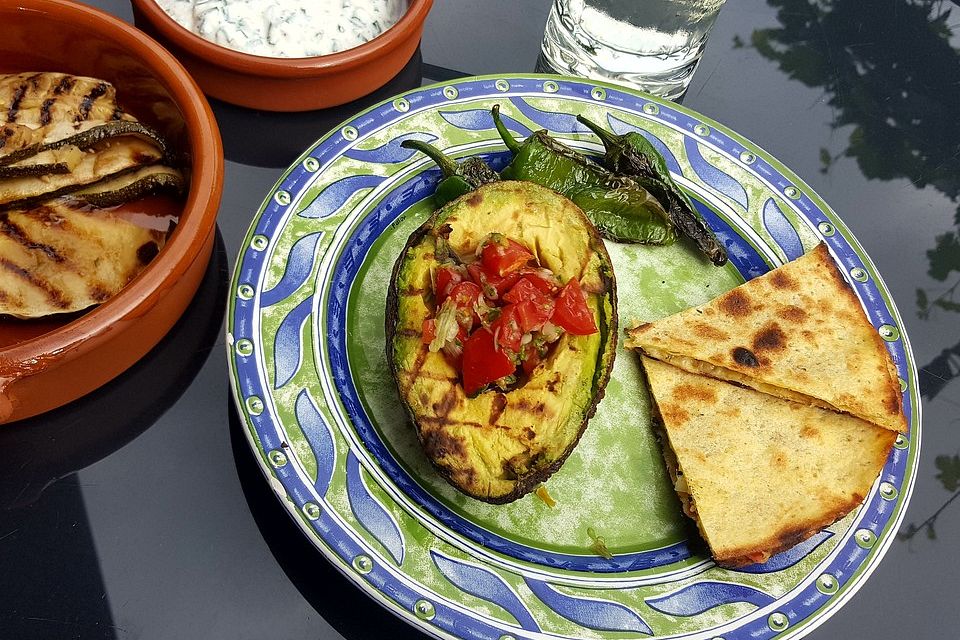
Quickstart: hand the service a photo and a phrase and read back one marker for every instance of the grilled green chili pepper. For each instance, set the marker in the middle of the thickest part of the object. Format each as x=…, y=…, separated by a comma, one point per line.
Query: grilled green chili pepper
x=632, y=155
x=458, y=177
x=618, y=206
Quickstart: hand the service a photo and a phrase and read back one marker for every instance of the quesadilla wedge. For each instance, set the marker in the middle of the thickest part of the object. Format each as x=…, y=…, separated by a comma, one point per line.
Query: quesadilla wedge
x=758, y=473
x=797, y=332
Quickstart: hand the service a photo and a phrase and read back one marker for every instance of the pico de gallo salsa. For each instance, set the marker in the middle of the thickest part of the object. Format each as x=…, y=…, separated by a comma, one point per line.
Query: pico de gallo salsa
x=497, y=316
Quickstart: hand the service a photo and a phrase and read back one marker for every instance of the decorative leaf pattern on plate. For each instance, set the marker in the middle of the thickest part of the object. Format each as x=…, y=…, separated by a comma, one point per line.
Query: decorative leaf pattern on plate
x=620, y=127
x=781, y=230
x=287, y=344
x=716, y=178
x=299, y=265
x=789, y=557
x=554, y=121
x=335, y=194
x=592, y=613
x=360, y=527
x=315, y=429
x=391, y=152
x=703, y=596
x=481, y=120
x=484, y=584
x=371, y=514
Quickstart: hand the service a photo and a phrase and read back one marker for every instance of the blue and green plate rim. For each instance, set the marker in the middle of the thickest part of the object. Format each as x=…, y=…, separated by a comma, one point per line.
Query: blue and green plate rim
x=806, y=609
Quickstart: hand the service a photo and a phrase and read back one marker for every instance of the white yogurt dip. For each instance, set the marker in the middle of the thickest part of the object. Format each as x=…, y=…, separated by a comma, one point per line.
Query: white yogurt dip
x=286, y=28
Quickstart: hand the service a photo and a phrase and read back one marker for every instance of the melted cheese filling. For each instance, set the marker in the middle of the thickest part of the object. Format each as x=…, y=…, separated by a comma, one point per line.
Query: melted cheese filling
x=722, y=373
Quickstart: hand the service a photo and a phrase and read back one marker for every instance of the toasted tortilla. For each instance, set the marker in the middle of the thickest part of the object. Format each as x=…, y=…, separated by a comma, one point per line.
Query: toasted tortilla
x=760, y=473
x=55, y=258
x=797, y=332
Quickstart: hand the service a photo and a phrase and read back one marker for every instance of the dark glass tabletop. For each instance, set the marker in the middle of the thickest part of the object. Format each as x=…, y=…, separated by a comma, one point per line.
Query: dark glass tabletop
x=140, y=512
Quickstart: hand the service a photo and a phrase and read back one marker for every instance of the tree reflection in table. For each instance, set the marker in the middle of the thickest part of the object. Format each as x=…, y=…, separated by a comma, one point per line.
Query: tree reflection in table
x=903, y=110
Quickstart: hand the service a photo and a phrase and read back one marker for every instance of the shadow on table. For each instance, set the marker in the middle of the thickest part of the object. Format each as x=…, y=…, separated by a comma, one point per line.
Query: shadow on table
x=341, y=603
x=39, y=451
x=900, y=111
x=268, y=139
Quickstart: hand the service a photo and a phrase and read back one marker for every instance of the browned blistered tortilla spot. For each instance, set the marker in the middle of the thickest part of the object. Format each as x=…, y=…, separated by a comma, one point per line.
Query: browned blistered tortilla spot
x=781, y=280
x=736, y=303
x=809, y=431
x=793, y=313
x=709, y=332
x=745, y=357
x=892, y=403
x=673, y=414
x=640, y=328
x=778, y=459
x=770, y=338
x=694, y=392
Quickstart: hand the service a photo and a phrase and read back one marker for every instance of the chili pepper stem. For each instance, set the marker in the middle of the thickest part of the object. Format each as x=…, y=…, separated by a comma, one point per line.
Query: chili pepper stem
x=447, y=166
x=508, y=139
x=608, y=139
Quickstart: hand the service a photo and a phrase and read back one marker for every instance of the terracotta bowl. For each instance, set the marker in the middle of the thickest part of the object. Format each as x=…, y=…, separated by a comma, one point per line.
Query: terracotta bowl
x=47, y=363
x=287, y=84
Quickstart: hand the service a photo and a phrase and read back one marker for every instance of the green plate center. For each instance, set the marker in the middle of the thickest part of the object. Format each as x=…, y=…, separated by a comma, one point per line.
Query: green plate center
x=614, y=483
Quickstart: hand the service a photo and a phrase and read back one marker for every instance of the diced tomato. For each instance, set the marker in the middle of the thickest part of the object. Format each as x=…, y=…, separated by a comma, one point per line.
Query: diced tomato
x=523, y=290
x=429, y=331
x=475, y=271
x=532, y=315
x=447, y=277
x=501, y=256
x=542, y=279
x=490, y=282
x=533, y=308
x=483, y=362
x=464, y=294
x=506, y=330
x=504, y=284
x=571, y=312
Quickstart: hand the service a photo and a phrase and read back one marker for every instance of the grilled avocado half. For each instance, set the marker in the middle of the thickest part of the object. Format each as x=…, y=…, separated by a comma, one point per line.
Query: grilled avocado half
x=498, y=445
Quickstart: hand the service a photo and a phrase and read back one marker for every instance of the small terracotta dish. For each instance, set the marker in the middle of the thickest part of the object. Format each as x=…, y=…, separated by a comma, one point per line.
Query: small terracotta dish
x=50, y=362
x=287, y=84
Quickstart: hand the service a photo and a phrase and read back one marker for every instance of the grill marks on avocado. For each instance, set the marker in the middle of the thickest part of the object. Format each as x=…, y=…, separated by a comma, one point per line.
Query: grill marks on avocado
x=501, y=444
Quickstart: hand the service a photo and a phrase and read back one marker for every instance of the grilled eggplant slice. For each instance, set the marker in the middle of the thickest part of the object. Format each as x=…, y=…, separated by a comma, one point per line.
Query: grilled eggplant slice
x=38, y=99
x=499, y=445
x=86, y=136
x=59, y=160
x=133, y=185
x=107, y=160
x=58, y=258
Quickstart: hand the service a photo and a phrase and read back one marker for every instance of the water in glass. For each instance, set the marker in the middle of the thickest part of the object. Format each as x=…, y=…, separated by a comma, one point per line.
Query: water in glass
x=654, y=45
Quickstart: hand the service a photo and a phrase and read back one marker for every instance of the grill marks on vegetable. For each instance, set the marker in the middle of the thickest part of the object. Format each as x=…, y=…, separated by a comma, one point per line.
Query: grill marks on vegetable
x=60, y=259
x=68, y=151
x=40, y=98
x=15, y=233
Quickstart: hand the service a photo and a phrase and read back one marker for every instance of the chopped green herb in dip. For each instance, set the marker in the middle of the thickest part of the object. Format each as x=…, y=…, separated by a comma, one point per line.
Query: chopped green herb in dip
x=286, y=28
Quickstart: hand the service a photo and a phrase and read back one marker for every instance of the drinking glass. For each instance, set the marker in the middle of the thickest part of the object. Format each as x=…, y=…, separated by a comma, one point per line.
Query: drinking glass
x=654, y=45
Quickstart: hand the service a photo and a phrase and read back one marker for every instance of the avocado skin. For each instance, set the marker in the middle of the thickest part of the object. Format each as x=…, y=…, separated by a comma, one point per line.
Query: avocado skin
x=498, y=446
